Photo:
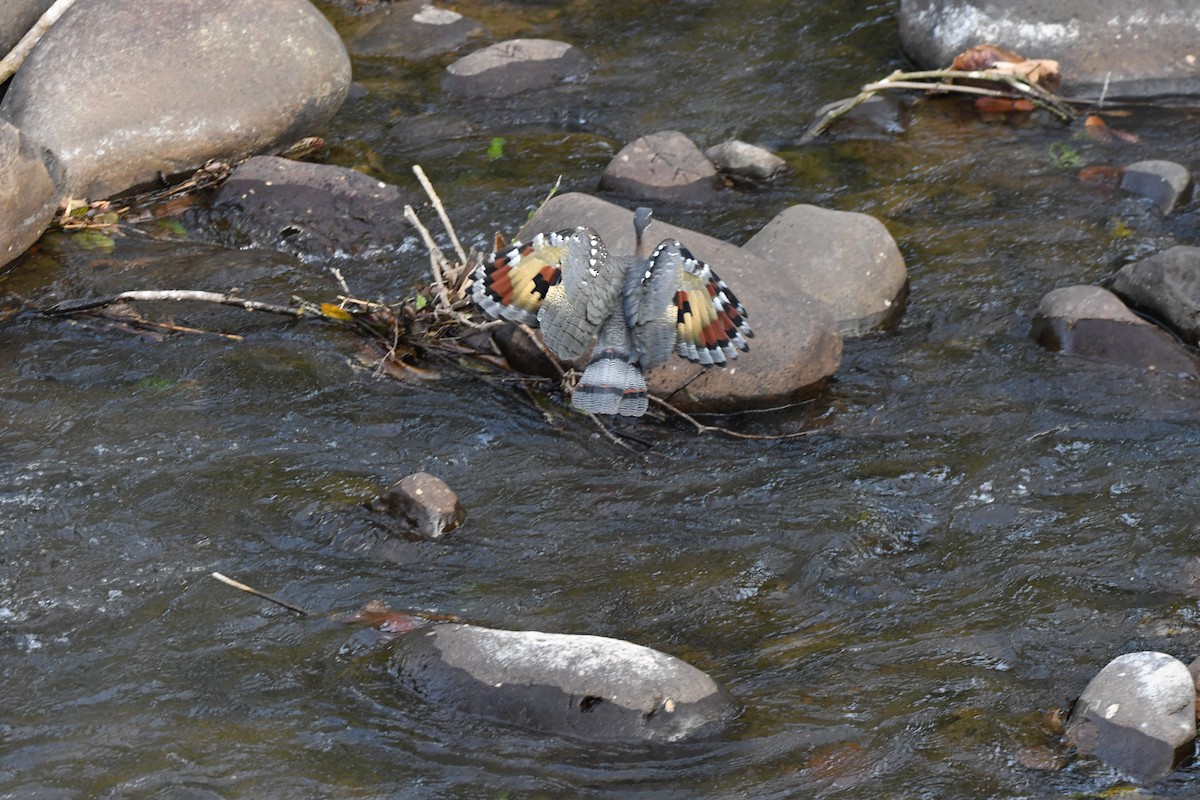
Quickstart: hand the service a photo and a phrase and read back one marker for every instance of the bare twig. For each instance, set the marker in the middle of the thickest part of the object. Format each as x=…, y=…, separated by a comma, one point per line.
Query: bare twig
x=702, y=428
x=185, y=295
x=938, y=80
x=251, y=590
x=441, y=212
x=16, y=57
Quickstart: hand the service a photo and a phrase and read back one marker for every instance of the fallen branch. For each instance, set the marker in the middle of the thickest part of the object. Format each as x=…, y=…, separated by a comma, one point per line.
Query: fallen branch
x=187, y=296
x=251, y=590
x=938, y=81
x=16, y=57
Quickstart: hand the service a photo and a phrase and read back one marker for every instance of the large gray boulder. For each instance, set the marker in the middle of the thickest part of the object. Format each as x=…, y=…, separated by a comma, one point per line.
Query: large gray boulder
x=177, y=83
x=665, y=166
x=1138, y=714
x=1133, y=49
x=796, y=343
x=1093, y=323
x=846, y=260
x=28, y=199
x=591, y=687
x=1166, y=284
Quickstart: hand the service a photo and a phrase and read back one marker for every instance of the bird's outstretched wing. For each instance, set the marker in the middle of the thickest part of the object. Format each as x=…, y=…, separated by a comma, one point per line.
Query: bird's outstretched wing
x=675, y=301
x=563, y=282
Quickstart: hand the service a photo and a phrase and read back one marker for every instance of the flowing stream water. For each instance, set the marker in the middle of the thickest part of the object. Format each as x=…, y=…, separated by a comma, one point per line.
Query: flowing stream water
x=974, y=527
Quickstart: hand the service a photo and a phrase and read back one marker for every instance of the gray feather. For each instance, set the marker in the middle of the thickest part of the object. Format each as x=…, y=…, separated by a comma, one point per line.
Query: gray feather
x=649, y=304
x=576, y=307
x=612, y=383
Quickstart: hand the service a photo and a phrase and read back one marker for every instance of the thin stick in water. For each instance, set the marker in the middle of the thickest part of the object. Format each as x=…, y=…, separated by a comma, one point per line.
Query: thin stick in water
x=251, y=590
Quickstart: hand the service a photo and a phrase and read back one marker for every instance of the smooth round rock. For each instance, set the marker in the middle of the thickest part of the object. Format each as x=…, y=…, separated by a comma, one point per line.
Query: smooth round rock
x=514, y=66
x=425, y=504
x=1093, y=323
x=796, y=344
x=1166, y=183
x=1124, y=49
x=28, y=199
x=310, y=209
x=590, y=687
x=1138, y=715
x=1166, y=284
x=179, y=83
x=414, y=30
x=846, y=260
x=664, y=166
x=745, y=160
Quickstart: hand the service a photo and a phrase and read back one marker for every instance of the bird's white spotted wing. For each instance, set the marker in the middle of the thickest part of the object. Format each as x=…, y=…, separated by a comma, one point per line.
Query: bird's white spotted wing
x=512, y=285
x=676, y=302
x=579, y=304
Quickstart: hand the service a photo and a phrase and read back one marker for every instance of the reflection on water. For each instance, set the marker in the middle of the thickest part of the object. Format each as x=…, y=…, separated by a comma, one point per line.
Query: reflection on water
x=975, y=528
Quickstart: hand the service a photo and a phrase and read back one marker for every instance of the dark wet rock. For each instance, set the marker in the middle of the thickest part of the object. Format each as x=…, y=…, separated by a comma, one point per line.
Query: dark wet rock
x=28, y=199
x=1091, y=322
x=1134, y=49
x=796, y=344
x=17, y=18
x=745, y=160
x=1167, y=285
x=414, y=30
x=514, y=66
x=661, y=166
x=176, y=85
x=424, y=504
x=1166, y=183
x=1138, y=715
x=273, y=203
x=846, y=260
x=591, y=687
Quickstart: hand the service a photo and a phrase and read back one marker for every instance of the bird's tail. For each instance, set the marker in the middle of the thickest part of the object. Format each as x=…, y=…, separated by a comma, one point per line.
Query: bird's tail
x=612, y=384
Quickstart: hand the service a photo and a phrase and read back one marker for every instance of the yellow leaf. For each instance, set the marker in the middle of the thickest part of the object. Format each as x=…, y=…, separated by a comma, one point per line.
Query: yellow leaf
x=336, y=312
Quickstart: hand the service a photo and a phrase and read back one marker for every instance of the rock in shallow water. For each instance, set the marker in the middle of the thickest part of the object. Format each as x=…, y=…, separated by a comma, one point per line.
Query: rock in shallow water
x=661, y=166
x=1166, y=183
x=1166, y=284
x=28, y=199
x=123, y=91
x=745, y=160
x=591, y=687
x=311, y=209
x=1138, y=715
x=424, y=504
x=414, y=30
x=514, y=66
x=796, y=344
x=1126, y=49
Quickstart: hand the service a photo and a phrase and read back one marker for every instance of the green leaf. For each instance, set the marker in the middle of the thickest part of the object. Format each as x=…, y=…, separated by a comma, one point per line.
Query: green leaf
x=420, y=302
x=172, y=226
x=495, y=150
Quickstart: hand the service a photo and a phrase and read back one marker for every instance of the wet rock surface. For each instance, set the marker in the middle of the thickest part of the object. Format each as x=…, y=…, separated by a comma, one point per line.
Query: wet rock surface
x=590, y=687
x=310, y=209
x=28, y=198
x=744, y=160
x=796, y=344
x=183, y=83
x=661, y=166
x=1138, y=715
x=424, y=504
x=1142, y=50
x=414, y=30
x=1166, y=183
x=515, y=66
x=1166, y=284
x=1092, y=322
x=846, y=260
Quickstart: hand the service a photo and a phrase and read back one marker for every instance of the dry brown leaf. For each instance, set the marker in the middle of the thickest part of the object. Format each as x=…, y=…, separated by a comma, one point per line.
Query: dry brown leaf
x=1043, y=72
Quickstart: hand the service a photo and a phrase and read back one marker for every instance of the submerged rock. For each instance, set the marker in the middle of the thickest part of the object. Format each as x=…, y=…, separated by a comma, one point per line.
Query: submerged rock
x=1138, y=715
x=1166, y=183
x=661, y=166
x=28, y=199
x=796, y=344
x=1092, y=322
x=1166, y=284
x=514, y=66
x=123, y=92
x=846, y=260
x=591, y=687
x=414, y=30
x=310, y=209
x=1125, y=49
x=424, y=504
